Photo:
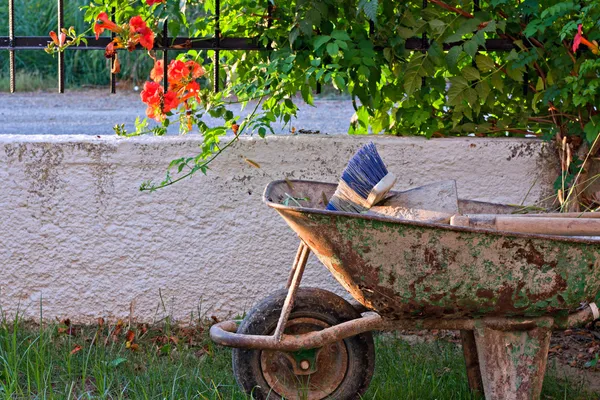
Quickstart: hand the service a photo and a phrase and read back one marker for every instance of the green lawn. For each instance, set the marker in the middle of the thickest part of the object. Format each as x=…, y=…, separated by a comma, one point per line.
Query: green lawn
x=71, y=362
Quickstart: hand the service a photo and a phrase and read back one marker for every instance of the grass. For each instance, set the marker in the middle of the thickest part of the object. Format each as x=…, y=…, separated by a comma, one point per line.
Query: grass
x=117, y=361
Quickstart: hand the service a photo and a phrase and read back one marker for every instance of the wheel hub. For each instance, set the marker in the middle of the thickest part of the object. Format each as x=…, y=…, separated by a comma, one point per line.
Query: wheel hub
x=309, y=374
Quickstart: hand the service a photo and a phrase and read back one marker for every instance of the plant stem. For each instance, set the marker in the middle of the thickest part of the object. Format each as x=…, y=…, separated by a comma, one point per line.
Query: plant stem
x=204, y=164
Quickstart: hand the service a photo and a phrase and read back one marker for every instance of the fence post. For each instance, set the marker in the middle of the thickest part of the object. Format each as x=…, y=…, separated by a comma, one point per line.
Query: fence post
x=165, y=55
x=11, y=43
x=217, y=45
x=61, y=55
x=113, y=76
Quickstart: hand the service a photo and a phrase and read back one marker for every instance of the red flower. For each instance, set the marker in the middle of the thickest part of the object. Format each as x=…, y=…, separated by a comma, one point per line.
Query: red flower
x=195, y=68
x=56, y=40
x=110, y=50
x=593, y=46
x=177, y=72
x=141, y=32
x=577, y=39
x=102, y=23
x=159, y=103
x=170, y=101
x=151, y=92
x=152, y=2
x=158, y=71
x=193, y=90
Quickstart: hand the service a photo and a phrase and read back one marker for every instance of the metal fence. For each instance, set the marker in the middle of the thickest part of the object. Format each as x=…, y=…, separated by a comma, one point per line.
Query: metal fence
x=14, y=43
x=216, y=44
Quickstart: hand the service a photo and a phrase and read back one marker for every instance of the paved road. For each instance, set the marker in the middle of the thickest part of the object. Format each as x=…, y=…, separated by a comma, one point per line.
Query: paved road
x=95, y=112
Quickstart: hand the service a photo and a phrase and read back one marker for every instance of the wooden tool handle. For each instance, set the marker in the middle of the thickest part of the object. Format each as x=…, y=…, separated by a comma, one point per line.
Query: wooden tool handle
x=540, y=225
x=546, y=215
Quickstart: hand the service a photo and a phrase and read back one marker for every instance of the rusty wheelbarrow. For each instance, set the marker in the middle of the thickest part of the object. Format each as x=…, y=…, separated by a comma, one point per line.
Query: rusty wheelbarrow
x=505, y=292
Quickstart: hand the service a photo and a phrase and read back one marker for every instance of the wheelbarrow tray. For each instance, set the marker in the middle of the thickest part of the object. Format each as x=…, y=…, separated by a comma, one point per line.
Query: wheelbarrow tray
x=405, y=269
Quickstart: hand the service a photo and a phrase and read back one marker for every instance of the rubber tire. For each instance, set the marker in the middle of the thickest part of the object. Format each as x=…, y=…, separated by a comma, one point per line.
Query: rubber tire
x=313, y=303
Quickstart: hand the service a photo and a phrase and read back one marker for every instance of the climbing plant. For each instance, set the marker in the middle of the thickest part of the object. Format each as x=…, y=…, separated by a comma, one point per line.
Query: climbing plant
x=409, y=69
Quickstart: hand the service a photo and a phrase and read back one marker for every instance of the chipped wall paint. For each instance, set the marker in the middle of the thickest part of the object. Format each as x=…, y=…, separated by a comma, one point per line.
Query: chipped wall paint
x=77, y=236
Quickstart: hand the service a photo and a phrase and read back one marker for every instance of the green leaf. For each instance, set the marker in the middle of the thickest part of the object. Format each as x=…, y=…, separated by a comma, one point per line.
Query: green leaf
x=515, y=73
x=456, y=93
x=307, y=94
x=412, y=77
x=483, y=90
x=359, y=123
x=341, y=44
x=592, y=129
x=339, y=83
x=471, y=46
x=320, y=41
x=452, y=57
x=370, y=8
x=340, y=35
x=294, y=33
x=490, y=27
x=536, y=101
x=464, y=28
x=437, y=26
x=332, y=48
x=471, y=73
x=497, y=81
x=405, y=33
x=484, y=63
x=540, y=84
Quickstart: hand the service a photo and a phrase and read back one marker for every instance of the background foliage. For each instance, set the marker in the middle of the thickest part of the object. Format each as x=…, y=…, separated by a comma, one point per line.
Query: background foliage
x=540, y=87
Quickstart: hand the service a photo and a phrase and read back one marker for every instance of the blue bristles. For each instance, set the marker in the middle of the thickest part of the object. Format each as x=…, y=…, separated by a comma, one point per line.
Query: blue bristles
x=364, y=170
x=331, y=207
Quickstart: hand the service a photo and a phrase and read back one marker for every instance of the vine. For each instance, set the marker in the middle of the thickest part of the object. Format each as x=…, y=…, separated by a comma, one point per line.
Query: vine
x=545, y=85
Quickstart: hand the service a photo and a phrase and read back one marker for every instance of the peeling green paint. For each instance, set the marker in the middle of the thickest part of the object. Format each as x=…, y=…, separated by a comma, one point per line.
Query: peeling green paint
x=408, y=269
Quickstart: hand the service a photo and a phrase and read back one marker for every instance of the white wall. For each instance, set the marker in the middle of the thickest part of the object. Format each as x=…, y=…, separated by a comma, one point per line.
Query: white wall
x=78, y=237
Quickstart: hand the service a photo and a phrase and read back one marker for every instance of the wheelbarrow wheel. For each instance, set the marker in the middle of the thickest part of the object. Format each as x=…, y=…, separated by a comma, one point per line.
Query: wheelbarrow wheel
x=340, y=370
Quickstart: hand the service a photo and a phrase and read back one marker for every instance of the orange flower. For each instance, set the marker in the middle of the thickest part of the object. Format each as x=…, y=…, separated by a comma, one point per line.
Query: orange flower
x=116, y=66
x=140, y=32
x=195, y=68
x=593, y=46
x=110, y=50
x=177, y=72
x=102, y=23
x=193, y=90
x=170, y=101
x=56, y=40
x=159, y=103
x=158, y=71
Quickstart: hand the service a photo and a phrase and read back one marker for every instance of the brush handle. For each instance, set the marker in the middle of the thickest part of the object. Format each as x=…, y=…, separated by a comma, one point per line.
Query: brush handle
x=541, y=225
x=381, y=189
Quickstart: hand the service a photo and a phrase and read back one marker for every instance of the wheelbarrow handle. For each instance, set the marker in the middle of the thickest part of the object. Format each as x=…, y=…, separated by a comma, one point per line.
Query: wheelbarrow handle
x=224, y=332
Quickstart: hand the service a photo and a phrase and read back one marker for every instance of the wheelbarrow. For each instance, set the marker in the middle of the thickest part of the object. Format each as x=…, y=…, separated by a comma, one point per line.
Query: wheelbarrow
x=505, y=293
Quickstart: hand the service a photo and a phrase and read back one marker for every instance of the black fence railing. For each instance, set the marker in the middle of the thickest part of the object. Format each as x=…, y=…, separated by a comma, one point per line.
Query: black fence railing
x=14, y=43
x=216, y=44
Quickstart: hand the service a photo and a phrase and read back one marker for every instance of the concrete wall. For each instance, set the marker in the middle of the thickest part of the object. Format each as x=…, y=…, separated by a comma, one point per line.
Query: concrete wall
x=79, y=239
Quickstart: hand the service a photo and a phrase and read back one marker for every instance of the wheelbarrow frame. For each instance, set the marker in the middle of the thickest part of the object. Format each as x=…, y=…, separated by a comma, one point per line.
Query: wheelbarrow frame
x=505, y=356
x=224, y=333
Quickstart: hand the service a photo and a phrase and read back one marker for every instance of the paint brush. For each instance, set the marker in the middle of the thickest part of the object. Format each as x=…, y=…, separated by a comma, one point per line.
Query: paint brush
x=364, y=182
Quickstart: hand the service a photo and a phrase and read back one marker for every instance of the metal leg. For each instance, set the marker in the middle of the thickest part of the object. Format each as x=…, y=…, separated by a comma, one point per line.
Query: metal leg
x=513, y=363
x=471, y=361
x=297, y=271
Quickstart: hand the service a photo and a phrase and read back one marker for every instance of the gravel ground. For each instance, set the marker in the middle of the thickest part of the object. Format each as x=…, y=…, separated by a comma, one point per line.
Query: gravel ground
x=95, y=112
